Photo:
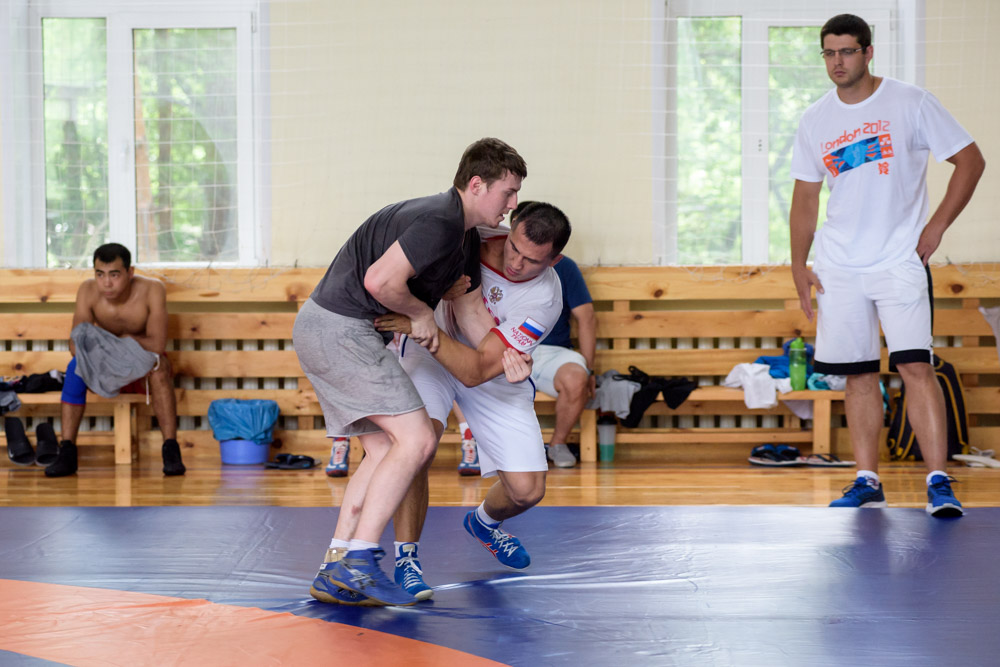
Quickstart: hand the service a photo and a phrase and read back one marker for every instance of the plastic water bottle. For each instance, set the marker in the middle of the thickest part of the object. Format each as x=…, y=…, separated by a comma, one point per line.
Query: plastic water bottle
x=797, y=364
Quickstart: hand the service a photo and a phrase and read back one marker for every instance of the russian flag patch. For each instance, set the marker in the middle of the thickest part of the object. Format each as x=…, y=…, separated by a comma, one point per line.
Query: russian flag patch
x=532, y=329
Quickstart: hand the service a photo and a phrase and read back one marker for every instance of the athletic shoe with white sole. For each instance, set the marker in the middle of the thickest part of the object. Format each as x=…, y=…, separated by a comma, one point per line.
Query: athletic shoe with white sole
x=864, y=492
x=941, y=501
x=339, y=452
x=469, y=465
x=505, y=547
x=409, y=575
x=560, y=456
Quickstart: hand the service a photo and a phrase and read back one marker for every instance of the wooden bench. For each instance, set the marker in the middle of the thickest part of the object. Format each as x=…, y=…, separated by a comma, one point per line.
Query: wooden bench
x=700, y=322
x=230, y=337
x=224, y=327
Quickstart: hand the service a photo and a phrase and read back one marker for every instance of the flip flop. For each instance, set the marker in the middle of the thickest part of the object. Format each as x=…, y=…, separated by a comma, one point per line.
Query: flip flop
x=292, y=462
x=978, y=458
x=825, y=461
x=19, y=449
x=47, y=450
x=771, y=456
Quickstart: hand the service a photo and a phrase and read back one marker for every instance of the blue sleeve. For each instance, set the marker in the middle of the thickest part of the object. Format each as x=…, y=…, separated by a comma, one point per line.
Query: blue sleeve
x=575, y=292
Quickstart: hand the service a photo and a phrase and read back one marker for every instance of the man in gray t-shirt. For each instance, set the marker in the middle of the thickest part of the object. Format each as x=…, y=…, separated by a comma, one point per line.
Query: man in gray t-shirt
x=403, y=259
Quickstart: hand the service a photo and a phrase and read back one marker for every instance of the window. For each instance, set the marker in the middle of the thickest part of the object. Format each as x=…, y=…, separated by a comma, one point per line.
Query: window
x=737, y=80
x=142, y=132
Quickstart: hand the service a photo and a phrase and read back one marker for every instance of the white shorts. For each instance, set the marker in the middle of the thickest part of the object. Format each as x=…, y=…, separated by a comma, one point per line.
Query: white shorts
x=852, y=305
x=547, y=360
x=501, y=415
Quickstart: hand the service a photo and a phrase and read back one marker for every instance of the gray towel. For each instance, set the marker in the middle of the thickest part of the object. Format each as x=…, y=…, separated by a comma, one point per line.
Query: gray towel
x=106, y=362
x=9, y=402
x=613, y=395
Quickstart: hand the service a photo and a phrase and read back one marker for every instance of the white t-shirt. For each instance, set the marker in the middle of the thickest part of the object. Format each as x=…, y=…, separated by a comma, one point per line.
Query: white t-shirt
x=874, y=157
x=524, y=311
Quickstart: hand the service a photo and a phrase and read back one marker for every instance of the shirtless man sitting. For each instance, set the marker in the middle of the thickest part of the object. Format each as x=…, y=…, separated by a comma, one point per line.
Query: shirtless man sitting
x=128, y=306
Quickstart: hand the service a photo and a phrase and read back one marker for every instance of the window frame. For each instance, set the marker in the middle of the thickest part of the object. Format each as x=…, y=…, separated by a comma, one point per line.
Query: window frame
x=901, y=58
x=22, y=114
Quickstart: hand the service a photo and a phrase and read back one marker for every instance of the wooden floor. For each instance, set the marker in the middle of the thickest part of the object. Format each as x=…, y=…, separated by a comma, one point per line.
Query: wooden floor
x=644, y=479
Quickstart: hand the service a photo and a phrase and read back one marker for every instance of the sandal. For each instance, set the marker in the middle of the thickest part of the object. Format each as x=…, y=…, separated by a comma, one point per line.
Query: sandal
x=978, y=458
x=769, y=455
x=19, y=449
x=825, y=461
x=292, y=462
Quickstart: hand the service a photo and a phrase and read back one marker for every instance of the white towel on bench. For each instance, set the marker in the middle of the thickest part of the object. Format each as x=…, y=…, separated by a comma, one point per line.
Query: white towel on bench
x=759, y=388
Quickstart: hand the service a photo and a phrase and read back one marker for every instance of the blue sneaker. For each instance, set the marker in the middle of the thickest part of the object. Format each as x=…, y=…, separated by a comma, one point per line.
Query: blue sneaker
x=864, y=492
x=503, y=545
x=358, y=571
x=941, y=502
x=324, y=590
x=469, y=465
x=409, y=575
x=339, y=452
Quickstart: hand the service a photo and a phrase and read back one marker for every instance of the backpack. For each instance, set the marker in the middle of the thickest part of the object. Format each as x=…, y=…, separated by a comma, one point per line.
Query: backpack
x=901, y=440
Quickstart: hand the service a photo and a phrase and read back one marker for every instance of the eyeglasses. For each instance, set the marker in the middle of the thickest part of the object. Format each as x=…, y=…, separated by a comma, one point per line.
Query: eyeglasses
x=845, y=53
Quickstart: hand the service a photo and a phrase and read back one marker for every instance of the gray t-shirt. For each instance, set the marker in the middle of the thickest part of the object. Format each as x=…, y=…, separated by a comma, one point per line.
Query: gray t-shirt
x=431, y=232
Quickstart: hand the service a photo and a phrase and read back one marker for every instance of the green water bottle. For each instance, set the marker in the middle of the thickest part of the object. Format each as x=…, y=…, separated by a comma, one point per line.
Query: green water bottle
x=797, y=364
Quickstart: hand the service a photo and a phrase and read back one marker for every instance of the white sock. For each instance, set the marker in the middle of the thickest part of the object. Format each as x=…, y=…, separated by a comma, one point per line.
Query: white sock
x=462, y=428
x=931, y=474
x=870, y=475
x=485, y=518
x=361, y=545
x=399, y=548
x=339, y=544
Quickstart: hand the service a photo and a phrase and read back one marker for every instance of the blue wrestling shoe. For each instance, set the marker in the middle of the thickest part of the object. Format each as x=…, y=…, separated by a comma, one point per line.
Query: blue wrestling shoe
x=339, y=453
x=358, y=571
x=324, y=590
x=469, y=465
x=505, y=547
x=409, y=575
x=941, y=501
x=864, y=492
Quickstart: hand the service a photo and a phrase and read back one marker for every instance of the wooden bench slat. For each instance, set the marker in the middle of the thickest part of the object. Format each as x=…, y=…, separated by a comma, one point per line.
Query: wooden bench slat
x=753, y=323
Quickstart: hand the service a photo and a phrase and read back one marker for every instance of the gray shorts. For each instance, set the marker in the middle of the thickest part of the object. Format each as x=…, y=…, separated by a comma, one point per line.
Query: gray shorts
x=352, y=372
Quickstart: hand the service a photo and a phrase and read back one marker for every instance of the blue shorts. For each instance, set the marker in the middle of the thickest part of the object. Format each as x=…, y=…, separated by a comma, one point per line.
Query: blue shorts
x=74, y=388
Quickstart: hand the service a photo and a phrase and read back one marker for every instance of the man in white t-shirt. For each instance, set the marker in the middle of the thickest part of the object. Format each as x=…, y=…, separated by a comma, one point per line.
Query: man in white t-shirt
x=869, y=138
x=480, y=332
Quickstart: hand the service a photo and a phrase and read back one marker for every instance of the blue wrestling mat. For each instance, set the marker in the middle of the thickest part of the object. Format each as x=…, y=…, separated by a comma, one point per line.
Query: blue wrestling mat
x=607, y=585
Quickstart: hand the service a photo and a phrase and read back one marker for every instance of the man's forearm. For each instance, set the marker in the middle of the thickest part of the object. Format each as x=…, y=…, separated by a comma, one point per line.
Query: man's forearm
x=470, y=367
x=586, y=334
x=150, y=343
x=802, y=220
x=399, y=299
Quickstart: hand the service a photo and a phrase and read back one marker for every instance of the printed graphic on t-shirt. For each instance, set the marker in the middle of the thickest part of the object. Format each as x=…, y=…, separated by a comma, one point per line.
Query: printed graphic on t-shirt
x=523, y=336
x=861, y=152
x=532, y=329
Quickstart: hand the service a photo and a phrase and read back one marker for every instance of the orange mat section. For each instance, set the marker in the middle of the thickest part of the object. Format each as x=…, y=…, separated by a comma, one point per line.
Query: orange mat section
x=94, y=626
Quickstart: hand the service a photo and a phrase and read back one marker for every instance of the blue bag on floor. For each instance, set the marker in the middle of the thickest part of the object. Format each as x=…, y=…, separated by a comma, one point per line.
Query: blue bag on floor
x=241, y=419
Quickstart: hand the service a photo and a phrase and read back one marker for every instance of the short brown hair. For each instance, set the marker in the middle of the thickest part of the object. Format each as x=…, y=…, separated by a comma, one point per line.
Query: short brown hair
x=848, y=24
x=543, y=223
x=490, y=159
